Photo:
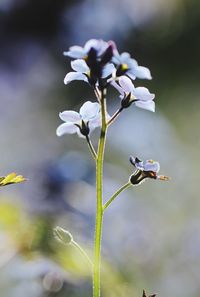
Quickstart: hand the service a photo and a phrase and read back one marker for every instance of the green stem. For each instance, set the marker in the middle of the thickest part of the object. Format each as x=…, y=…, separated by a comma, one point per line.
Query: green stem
x=91, y=148
x=99, y=205
x=124, y=187
x=84, y=254
x=115, y=115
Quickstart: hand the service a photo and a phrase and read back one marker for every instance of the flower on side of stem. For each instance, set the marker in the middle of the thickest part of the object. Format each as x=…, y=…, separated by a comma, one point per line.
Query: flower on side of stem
x=129, y=94
x=145, y=169
x=145, y=295
x=128, y=66
x=83, y=72
x=82, y=123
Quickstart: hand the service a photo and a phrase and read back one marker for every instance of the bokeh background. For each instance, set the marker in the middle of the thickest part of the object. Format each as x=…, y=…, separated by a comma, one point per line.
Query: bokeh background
x=151, y=236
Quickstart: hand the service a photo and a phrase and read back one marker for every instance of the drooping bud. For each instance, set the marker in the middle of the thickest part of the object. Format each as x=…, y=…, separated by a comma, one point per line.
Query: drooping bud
x=62, y=235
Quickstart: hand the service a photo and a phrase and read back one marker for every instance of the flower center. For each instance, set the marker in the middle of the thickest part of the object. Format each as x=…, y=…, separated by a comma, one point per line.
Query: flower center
x=151, y=161
x=124, y=67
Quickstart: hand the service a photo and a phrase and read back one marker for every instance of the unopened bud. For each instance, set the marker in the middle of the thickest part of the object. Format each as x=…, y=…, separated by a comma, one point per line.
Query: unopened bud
x=62, y=235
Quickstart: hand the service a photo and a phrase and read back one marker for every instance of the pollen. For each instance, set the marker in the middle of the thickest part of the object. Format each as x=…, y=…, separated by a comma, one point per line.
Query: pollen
x=124, y=67
x=151, y=161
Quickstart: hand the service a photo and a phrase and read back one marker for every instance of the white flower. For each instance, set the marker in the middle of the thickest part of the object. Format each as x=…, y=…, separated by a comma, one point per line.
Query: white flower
x=148, y=165
x=145, y=169
x=82, y=123
x=82, y=71
x=127, y=65
x=79, y=52
x=129, y=94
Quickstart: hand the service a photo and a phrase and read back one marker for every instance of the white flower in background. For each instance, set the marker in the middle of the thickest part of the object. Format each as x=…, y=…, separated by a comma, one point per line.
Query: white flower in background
x=82, y=123
x=82, y=71
x=140, y=96
x=78, y=52
x=128, y=66
x=145, y=169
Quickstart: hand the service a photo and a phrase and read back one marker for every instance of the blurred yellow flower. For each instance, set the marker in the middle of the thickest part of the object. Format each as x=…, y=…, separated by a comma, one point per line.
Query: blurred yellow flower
x=11, y=178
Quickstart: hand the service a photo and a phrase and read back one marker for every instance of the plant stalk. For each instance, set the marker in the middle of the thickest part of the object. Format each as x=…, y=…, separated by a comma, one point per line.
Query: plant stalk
x=99, y=193
x=124, y=187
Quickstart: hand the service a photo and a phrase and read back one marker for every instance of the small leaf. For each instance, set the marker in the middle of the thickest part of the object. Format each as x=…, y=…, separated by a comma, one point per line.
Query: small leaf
x=11, y=178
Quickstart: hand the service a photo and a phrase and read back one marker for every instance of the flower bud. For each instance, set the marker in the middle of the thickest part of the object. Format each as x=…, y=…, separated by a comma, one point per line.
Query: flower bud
x=63, y=235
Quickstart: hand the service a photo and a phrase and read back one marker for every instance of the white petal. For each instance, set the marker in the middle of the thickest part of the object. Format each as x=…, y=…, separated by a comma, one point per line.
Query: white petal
x=74, y=76
x=131, y=75
x=143, y=94
x=96, y=122
x=139, y=165
x=99, y=45
x=151, y=165
x=126, y=84
x=89, y=110
x=66, y=128
x=142, y=72
x=108, y=70
x=132, y=63
x=70, y=116
x=117, y=87
x=148, y=105
x=90, y=43
x=80, y=65
x=116, y=57
x=76, y=52
x=125, y=58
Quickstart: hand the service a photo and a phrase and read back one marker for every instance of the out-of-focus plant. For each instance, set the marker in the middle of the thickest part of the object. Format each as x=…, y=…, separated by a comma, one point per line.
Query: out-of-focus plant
x=100, y=65
x=11, y=178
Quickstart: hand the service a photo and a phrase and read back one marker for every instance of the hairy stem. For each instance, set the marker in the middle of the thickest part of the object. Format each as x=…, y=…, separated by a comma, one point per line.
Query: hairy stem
x=124, y=187
x=99, y=193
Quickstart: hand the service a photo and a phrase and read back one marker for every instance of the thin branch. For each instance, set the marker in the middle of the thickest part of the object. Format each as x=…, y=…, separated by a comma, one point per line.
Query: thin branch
x=97, y=93
x=91, y=148
x=84, y=254
x=124, y=187
x=115, y=115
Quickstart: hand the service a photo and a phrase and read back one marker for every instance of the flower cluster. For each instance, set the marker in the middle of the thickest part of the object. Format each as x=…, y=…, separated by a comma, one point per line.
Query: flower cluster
x=99, y=64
